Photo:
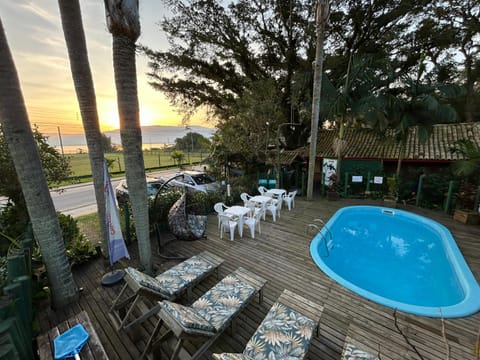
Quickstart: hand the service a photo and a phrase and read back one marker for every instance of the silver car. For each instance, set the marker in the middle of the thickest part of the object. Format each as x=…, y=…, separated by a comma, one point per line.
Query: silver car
x=121, y=190
x=195, y=180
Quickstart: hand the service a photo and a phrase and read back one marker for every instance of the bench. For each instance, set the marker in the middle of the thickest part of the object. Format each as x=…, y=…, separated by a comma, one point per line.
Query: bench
x=93, y=349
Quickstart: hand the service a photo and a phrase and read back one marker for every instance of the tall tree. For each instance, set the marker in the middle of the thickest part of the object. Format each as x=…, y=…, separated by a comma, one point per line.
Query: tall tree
x=124, y=25
x=323, y=11
x=448, y=36
x=24, y=152
x=82, y=78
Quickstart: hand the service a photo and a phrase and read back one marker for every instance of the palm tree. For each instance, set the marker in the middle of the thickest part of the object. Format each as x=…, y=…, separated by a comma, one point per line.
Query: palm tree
x=323, y=12
x=124, y=25
x=82, y=77
x=470, y=165
x=23, y=150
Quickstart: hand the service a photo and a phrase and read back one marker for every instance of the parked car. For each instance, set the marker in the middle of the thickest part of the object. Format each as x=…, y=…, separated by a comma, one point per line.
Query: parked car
x=121, y=190
x=195, y=181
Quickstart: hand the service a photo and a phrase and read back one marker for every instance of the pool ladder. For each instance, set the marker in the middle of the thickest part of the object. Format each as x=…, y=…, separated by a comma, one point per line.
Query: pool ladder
x=314, y=228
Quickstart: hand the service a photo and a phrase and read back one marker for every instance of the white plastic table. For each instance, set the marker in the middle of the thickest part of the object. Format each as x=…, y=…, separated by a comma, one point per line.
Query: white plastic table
x=239, y=211
x=277, y=193
x=262, y=200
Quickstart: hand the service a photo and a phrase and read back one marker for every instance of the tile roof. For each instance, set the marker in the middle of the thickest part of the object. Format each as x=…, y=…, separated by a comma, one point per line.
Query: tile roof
x=364, y=144
x=287, y=157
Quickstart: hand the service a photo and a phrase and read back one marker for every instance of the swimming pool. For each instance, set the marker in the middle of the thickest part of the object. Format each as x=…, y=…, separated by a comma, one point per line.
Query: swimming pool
x=398, y=259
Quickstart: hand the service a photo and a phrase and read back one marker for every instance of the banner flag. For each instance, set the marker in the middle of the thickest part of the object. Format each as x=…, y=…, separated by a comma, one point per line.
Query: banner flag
x=116, y=245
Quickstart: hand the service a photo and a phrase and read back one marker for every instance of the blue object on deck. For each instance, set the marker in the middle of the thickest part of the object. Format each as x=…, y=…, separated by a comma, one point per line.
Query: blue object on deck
x=70, y=343
x=268, y=183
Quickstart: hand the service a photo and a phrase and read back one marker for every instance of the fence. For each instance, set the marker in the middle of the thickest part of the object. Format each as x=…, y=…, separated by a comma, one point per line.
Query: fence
x=432, y=191
x=16, y=306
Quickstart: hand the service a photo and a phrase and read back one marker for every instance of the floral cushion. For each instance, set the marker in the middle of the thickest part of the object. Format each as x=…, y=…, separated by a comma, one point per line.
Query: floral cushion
x=221, y=302
x=173, y=281
x=187, y=316
x=352, y=352
x=228, y=356
x=181, y=276
x=146, y=281
x=197, y=225
x=283, y=334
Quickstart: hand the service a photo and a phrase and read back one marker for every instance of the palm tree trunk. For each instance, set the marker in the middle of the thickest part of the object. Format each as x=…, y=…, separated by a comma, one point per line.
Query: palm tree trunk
x=23, y=150
x=82, y=78
x=323, y=12
x=123, y=23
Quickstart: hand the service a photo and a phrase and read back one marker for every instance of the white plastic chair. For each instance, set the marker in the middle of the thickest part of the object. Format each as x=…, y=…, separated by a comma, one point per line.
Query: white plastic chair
x=262, y=190
x=226, y=223
x=245, y=197
x=274, y=208
x=289, y=199
x=219, y=209
x=252, y=220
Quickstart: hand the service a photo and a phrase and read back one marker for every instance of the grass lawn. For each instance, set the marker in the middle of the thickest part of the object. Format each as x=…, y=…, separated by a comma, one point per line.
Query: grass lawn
x=80, y=163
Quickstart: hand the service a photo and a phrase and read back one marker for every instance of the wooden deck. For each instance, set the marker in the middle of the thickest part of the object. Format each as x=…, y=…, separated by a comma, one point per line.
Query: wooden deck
x=281, y=255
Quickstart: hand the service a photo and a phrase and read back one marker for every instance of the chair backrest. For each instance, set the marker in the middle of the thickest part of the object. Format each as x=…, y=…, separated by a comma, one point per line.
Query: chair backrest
x=218, y=207
x=292, y=194
x=245, y=197
x=225, y=220
x=262, y=190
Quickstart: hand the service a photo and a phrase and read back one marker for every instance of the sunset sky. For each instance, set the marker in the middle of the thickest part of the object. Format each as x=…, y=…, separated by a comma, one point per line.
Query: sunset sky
x=34, y=33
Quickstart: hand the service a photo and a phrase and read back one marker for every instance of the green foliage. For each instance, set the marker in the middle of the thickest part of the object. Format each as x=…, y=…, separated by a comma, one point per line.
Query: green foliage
x=201, y=203
x=107, y=145
x=69, y=227
x=55, y=167
x=160, y=206
x=178, y=157
x=10, y=226
x=470, y=165
x=78, y=248
x=191, y=142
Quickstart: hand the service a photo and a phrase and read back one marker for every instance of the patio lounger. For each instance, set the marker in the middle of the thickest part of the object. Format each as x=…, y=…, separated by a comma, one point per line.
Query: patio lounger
x=167, y=285
x=201, y=323
x=285, y=332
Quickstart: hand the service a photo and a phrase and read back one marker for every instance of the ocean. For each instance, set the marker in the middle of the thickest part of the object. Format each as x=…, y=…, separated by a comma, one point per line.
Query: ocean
x=153, y=137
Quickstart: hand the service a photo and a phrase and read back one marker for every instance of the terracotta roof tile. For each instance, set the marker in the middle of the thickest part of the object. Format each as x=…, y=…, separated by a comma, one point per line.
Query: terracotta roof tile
x=365, y=144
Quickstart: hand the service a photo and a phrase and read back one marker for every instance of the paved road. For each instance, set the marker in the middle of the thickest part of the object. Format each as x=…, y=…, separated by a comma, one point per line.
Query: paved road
x=77, y=200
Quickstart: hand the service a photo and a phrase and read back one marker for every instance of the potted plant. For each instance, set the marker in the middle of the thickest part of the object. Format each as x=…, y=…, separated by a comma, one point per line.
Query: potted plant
x=332, y=188
x=465, y=202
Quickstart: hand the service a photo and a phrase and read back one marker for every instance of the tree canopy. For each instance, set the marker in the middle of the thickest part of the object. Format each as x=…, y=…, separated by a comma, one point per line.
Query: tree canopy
x=55, y=167
x=250, y=63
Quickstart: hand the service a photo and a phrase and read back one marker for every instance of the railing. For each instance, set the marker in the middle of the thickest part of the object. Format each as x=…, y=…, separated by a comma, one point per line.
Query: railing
x=16, y=305
x=315, y=229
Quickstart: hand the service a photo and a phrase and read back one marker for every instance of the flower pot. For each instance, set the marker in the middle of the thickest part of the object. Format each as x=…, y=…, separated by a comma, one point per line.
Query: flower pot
x=467, y=217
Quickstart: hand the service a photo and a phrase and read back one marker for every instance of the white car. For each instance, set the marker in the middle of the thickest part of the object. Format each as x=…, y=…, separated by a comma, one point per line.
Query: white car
x=195, y=180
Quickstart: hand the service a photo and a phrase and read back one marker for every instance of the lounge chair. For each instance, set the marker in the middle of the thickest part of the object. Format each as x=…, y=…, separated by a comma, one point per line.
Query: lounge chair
x=285, y=333
x=167, y=285
x=197, y=326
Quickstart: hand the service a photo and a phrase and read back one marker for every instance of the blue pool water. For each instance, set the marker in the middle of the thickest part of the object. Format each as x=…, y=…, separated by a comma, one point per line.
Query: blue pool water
x=397, y=259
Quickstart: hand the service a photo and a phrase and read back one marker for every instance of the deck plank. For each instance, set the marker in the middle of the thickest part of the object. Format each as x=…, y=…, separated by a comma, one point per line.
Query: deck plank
x=280, y=254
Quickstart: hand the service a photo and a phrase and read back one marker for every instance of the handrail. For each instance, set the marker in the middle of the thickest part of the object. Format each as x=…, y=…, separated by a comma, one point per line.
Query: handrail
x=319, y=232
x=325, y=226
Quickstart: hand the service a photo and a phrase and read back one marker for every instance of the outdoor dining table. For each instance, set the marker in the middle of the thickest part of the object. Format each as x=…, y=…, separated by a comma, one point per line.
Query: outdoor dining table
x=262, y=200
x=239, y=211
x=277, y=193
